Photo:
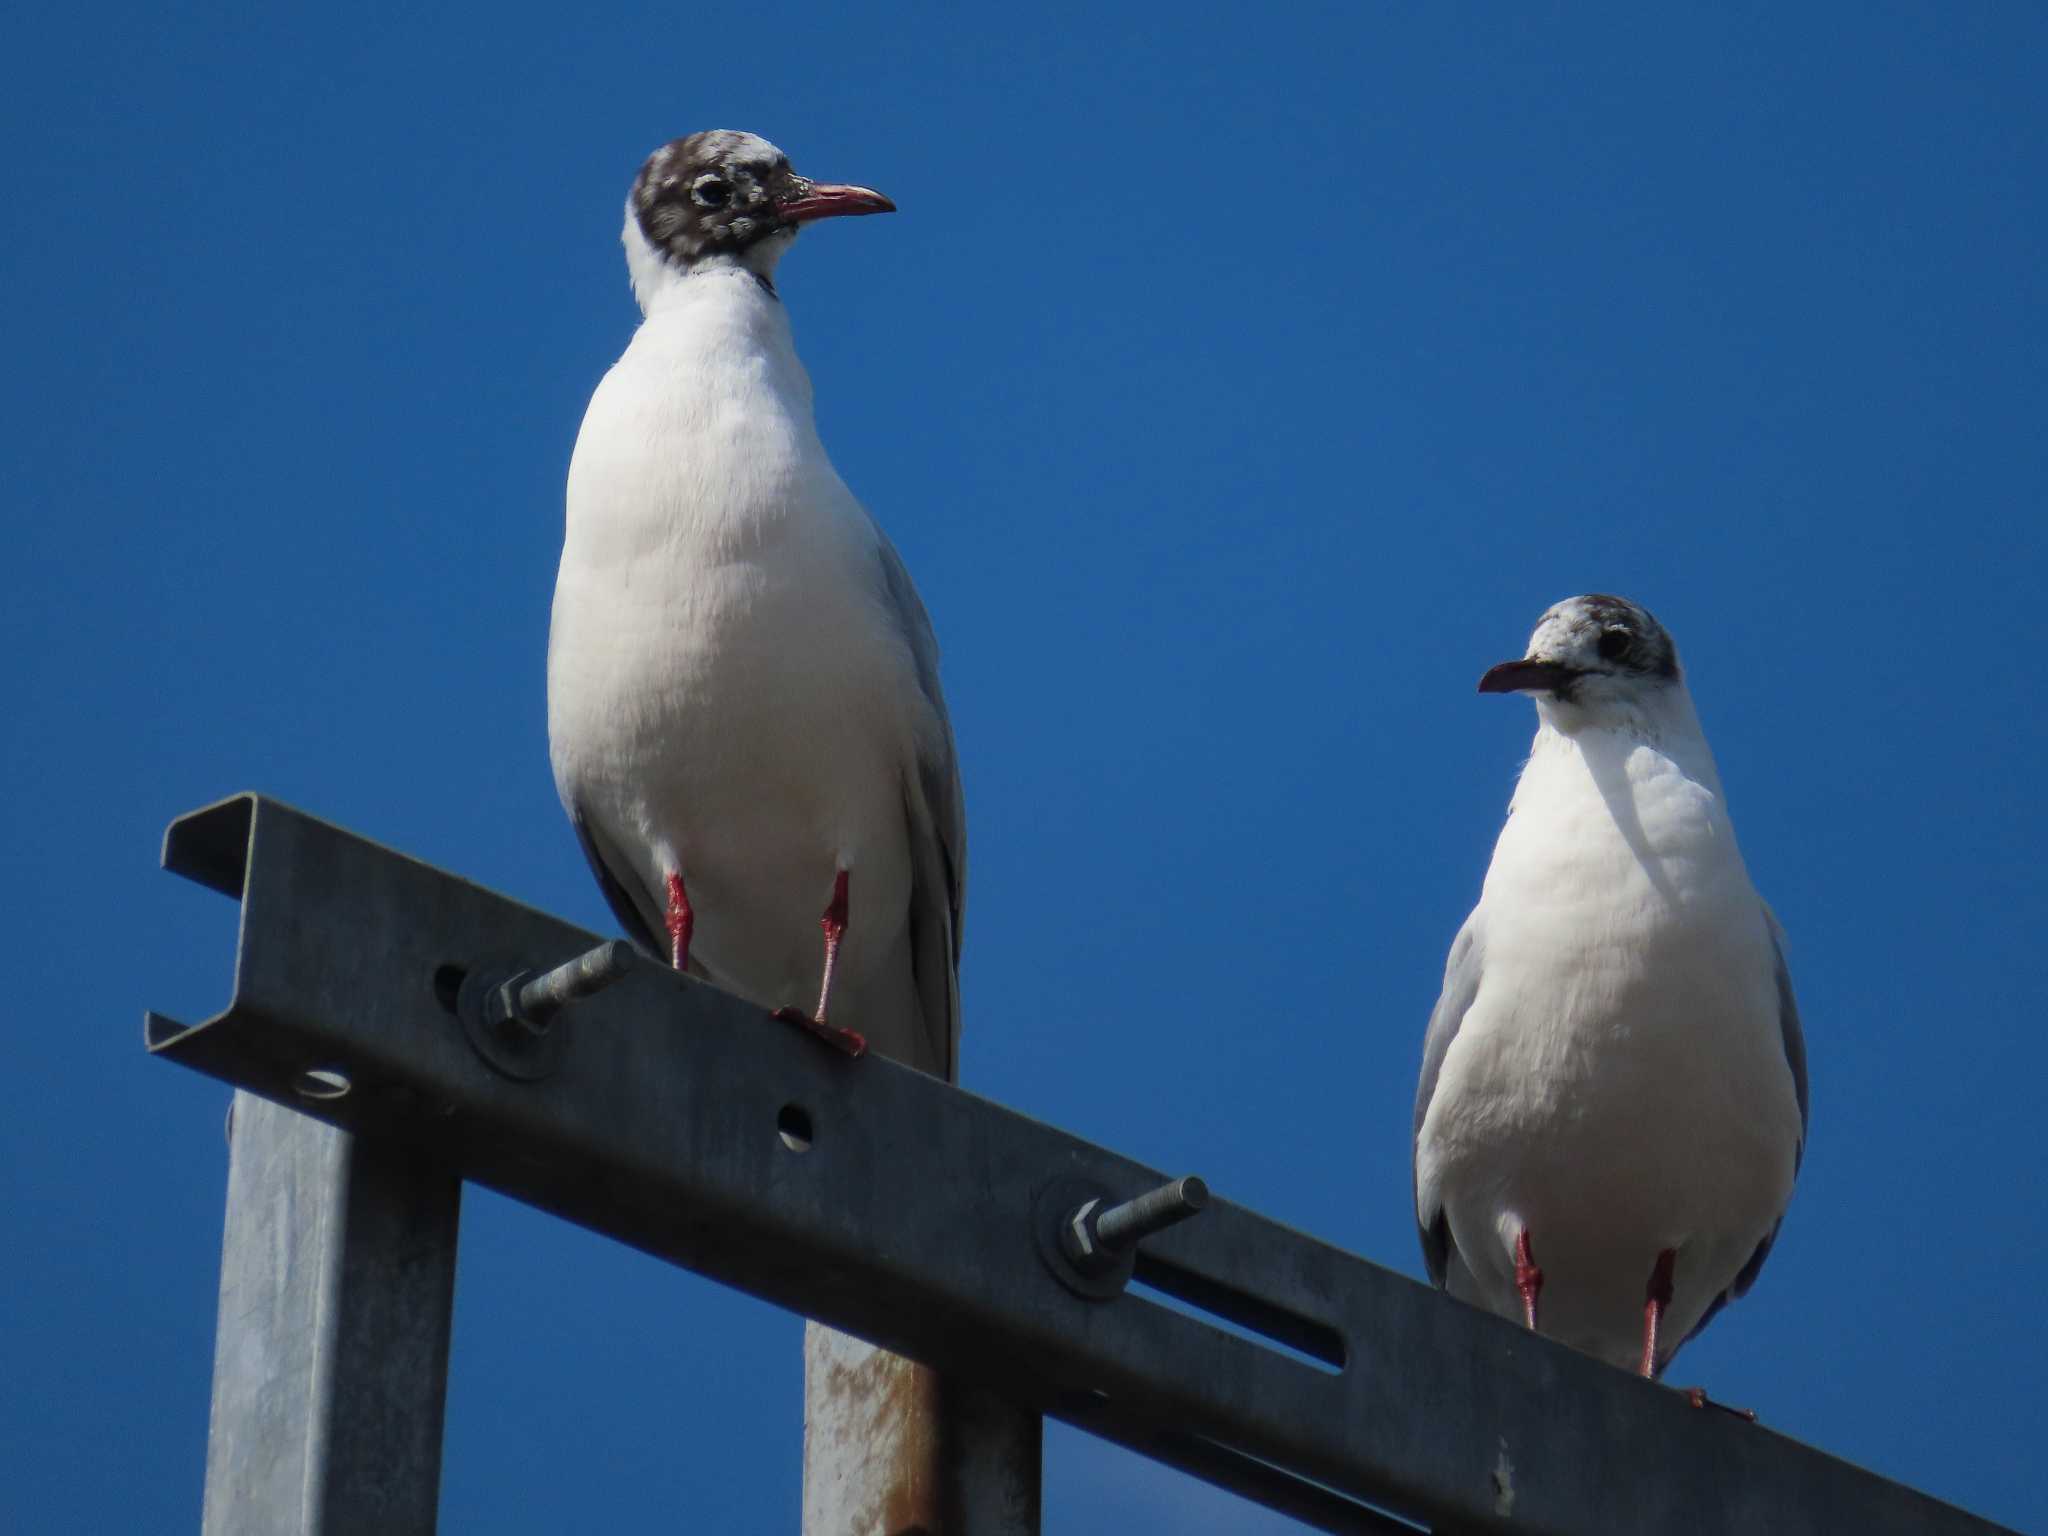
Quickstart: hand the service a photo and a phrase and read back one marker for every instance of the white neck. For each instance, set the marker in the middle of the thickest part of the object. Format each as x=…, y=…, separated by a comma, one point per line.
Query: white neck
x=656, y=279
x=1613, y=726
x=716, y=331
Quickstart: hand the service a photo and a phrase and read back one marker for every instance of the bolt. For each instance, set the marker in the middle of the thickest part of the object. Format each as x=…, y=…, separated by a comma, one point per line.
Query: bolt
x=528, y=1003
x=1097, y=1240
x=1121, y=1226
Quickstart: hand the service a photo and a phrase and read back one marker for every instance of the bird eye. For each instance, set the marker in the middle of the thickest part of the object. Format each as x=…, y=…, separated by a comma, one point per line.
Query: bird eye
x=1613, y=644
x=712, y=192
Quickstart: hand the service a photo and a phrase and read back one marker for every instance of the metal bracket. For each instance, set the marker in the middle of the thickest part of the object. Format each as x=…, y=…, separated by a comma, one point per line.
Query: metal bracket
x=892, y=1206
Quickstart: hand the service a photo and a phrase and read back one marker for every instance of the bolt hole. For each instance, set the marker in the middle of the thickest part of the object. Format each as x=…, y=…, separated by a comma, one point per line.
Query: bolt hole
x=794, y=1126
x=321, y=1083
x=448, y=980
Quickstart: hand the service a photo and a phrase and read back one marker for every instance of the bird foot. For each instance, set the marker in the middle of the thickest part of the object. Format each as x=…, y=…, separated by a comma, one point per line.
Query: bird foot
x=845, y=1040
x=1697, y=1396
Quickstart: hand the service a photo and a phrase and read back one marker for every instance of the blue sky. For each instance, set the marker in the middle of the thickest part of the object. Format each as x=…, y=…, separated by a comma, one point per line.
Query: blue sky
x=1238, y=388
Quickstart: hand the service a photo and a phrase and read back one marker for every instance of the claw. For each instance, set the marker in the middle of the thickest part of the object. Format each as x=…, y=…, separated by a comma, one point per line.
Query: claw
x=1697, y=1396
x=846, y=1040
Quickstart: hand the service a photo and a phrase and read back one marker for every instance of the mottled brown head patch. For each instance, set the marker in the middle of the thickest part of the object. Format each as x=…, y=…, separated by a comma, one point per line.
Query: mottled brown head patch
x=1627, y=636
x=711, y=194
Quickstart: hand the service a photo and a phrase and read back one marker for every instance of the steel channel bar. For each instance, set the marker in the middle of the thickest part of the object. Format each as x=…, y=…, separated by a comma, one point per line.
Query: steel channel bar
x=910, y=1221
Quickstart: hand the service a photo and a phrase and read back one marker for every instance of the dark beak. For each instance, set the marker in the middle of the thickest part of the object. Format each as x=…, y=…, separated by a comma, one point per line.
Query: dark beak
x=822, y=200
x=1528, y=676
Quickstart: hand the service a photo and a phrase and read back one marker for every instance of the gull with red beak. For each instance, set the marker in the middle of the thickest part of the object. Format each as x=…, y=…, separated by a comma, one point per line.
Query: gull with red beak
x=744, y=711
x=1613, y=1097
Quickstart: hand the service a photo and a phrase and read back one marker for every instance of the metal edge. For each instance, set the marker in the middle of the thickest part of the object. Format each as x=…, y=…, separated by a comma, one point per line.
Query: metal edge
x=210, y=846
x=161, y=1033
x=1258, y=1482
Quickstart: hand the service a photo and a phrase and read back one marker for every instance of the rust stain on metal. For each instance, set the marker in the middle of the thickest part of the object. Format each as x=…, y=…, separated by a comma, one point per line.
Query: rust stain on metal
x=908, y=1394
x=891, y=1448
x=867, y=1442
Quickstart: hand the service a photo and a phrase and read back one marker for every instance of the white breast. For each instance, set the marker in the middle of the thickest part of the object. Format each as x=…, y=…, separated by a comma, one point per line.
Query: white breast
x=1619, y=1085
x=726, y=686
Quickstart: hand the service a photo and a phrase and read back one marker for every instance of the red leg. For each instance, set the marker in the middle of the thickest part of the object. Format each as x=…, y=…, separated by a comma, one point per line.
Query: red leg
x=1528, y=1278
x=834, y=923
x=1656, y=1300
x=681, y=922
x=1654, y=1303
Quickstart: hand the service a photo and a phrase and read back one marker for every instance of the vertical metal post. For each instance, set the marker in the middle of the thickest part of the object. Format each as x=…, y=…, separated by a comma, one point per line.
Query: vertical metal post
x=892, y=1448
x=331, y=1361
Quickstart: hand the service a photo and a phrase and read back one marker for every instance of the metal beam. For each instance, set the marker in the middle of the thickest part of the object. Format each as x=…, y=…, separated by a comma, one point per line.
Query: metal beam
x=330, y=1370
x=892, y=1206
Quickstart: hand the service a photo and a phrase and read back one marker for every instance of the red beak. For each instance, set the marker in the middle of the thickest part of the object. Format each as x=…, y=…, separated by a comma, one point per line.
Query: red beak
x=822, y=200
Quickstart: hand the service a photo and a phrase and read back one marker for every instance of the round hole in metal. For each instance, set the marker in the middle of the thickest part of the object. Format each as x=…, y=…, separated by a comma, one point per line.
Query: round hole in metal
x=793, y=1124
x=321, y=1083
x=448, y=980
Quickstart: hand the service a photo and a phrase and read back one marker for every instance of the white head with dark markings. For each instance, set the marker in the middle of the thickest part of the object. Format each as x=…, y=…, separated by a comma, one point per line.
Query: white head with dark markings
x=724, y=200
x=1593, y=660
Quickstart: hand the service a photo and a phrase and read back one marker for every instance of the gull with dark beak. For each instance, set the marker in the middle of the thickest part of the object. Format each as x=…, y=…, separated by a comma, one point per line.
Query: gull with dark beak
x=1613, y=1097
x=743, y=691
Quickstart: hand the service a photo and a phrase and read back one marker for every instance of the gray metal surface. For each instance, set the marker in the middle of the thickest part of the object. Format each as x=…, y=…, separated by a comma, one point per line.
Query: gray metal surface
x=897, y=1208
x=331, y=1361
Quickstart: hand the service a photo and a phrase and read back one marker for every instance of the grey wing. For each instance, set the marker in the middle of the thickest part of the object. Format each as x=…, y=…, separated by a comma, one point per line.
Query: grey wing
x=1461, y=984
x=1788, y=1026
x=935, y=810
x=1795, y=1058
x=630, y=901
x=1794, y=1038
